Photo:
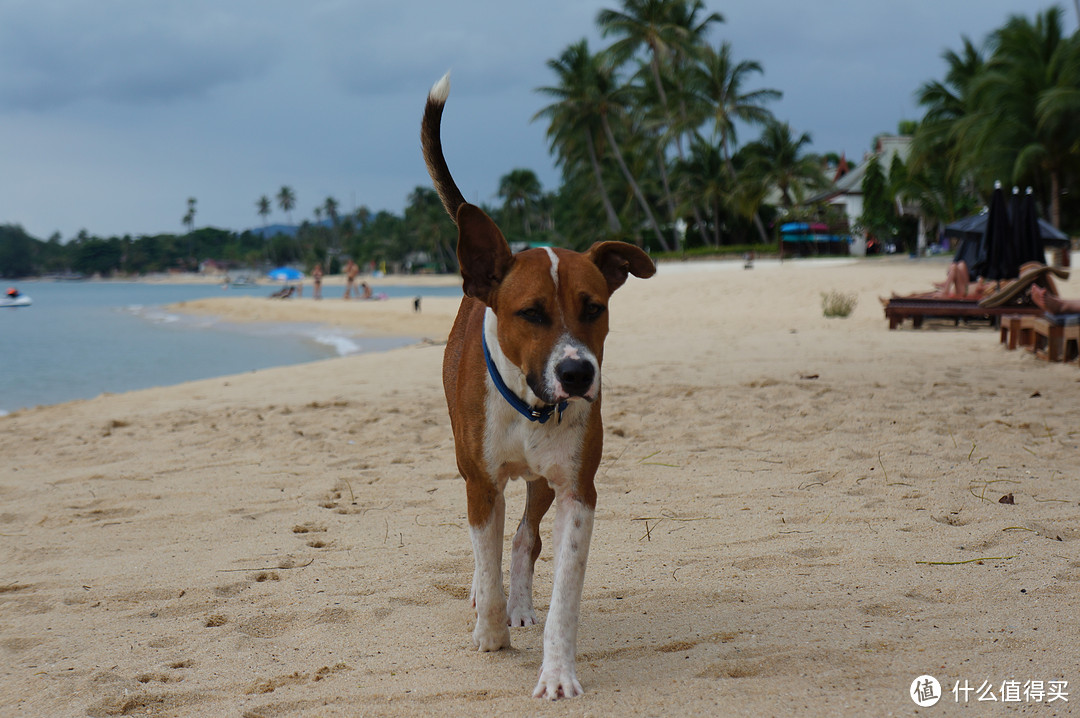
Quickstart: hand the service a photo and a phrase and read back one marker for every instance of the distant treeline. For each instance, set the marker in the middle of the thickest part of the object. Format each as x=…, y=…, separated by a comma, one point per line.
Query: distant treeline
x=22, y=255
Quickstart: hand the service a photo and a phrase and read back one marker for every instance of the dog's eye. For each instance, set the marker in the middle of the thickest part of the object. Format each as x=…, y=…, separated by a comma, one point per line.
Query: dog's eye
x=592, y=310
x=533, y=315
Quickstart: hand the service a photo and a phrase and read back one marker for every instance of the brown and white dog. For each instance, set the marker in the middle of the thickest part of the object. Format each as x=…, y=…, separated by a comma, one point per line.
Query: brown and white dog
x=521, y=374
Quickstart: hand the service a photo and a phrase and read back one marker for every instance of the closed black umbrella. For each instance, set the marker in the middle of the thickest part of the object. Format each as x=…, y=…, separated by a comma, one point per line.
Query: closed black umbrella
x=974, y=226
x=996, y=247
x=1028, y=239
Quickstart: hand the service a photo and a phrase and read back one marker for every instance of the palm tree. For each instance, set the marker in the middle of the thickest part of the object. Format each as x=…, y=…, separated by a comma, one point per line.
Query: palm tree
x=1034, y=70
x=669, y=31
x=703, y=172
x=717, y=84
x=936, y=153
x=189, y=216
x=1019, y=124
x=286, y=200
x=520, y=191
x=427, y=228
x=574, y=119
x=588, y=100
x=331, y=208
x=777, y=159
x=263, y=209
x=664, y=27
x=362, y=215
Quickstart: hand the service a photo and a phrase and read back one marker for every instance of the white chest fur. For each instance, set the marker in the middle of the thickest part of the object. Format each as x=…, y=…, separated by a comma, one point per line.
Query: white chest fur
x=516, y=447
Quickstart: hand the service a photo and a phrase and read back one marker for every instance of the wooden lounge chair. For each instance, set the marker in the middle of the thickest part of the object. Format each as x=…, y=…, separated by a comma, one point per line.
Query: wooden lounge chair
x=1053, y=337
x=897, y=309
x=1012, y=298
x=1016, y=292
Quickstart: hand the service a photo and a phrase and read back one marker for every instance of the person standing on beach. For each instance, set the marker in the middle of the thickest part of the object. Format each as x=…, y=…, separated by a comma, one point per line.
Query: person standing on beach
x=351, y=273
x=316, y=279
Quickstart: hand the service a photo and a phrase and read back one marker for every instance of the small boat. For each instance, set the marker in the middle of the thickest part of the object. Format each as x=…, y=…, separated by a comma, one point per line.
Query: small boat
x=19, y=301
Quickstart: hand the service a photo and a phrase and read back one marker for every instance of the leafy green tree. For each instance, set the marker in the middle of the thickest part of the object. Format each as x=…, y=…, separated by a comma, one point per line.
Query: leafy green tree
x=878, y=217
x=17, y=252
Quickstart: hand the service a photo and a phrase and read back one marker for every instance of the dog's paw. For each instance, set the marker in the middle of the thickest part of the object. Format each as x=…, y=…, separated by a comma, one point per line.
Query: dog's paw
x=557, y=682
x=492, y=638
x=522, y=618
x=520, y=614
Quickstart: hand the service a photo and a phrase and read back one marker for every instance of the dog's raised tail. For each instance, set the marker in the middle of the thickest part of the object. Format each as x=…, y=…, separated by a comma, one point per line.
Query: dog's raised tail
x=431, y=141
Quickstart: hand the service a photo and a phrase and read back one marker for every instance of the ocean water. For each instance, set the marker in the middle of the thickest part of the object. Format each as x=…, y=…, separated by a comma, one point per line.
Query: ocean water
x=81, y=339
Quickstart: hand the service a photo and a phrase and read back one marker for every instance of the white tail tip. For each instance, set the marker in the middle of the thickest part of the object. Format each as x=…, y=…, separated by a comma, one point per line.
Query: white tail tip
x=441, y=89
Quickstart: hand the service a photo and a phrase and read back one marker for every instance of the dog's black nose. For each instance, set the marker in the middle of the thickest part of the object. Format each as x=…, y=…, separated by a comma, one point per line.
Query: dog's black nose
x=575, y=375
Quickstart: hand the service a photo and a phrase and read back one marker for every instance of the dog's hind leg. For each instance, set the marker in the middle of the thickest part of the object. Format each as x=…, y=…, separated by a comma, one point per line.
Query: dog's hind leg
x=519, y=608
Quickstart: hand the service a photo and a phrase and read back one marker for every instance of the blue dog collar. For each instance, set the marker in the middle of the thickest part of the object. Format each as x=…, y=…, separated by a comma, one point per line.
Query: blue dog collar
x=541, y=414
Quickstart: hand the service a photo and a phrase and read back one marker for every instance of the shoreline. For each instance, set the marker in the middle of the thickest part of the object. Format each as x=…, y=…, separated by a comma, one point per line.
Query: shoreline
x=386, y=317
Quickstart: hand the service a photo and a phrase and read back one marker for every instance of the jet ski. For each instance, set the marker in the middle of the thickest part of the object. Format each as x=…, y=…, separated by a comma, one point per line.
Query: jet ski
x=14, y=299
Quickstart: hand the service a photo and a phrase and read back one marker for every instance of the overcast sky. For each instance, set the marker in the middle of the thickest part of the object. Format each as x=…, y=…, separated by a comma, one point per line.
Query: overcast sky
x=114, y=112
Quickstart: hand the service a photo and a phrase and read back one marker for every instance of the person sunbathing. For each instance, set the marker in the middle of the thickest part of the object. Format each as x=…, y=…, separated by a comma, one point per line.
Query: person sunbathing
x=958, y=284
x=1052, y=303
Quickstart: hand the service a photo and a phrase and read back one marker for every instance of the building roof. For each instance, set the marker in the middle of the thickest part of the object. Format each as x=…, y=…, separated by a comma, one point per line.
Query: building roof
x=886, y=147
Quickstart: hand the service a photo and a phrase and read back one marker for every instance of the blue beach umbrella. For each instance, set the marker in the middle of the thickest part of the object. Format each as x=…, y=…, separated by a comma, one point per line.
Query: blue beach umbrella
x=285, y=274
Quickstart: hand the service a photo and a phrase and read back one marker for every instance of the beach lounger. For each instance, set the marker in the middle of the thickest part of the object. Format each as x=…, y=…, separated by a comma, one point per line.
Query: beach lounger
x=898, y=309
x=1016, y=292
x=1053, y=337
x=1012, y=298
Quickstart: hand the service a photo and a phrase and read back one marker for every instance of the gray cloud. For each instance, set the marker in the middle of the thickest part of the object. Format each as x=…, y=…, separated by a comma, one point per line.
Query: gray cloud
x=55, y=54
x=116, y=111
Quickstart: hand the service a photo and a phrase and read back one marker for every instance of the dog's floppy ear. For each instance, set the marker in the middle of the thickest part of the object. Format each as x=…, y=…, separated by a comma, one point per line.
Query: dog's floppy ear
x=616, y=260
x=482, y=252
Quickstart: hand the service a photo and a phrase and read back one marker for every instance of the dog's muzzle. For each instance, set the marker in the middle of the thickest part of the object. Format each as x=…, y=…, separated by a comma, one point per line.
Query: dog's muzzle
x=575, y=376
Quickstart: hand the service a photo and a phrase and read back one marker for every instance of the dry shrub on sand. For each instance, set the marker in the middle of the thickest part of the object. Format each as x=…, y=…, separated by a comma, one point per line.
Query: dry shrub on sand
x=838, y=304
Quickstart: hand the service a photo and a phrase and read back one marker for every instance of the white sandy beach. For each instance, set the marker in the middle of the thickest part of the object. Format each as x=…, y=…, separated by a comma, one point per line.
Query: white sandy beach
x=776, y=494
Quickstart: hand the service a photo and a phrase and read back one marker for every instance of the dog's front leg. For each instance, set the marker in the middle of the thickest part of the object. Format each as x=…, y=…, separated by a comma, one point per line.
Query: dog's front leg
x=491, y=632
x=526, y=549
x=572, y=533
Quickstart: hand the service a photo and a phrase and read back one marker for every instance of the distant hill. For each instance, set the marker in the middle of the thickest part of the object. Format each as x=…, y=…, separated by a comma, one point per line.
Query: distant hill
x=272, y=230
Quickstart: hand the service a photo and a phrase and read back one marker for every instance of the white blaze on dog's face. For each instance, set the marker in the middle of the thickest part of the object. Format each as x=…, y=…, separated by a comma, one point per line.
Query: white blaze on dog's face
x=552, y=322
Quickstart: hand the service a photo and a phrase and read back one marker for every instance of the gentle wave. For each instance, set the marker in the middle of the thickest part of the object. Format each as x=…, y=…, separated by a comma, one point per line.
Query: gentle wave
x=343, y=344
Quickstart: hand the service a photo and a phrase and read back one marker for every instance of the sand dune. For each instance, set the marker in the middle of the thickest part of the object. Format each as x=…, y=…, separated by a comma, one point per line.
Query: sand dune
x=776, y=494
